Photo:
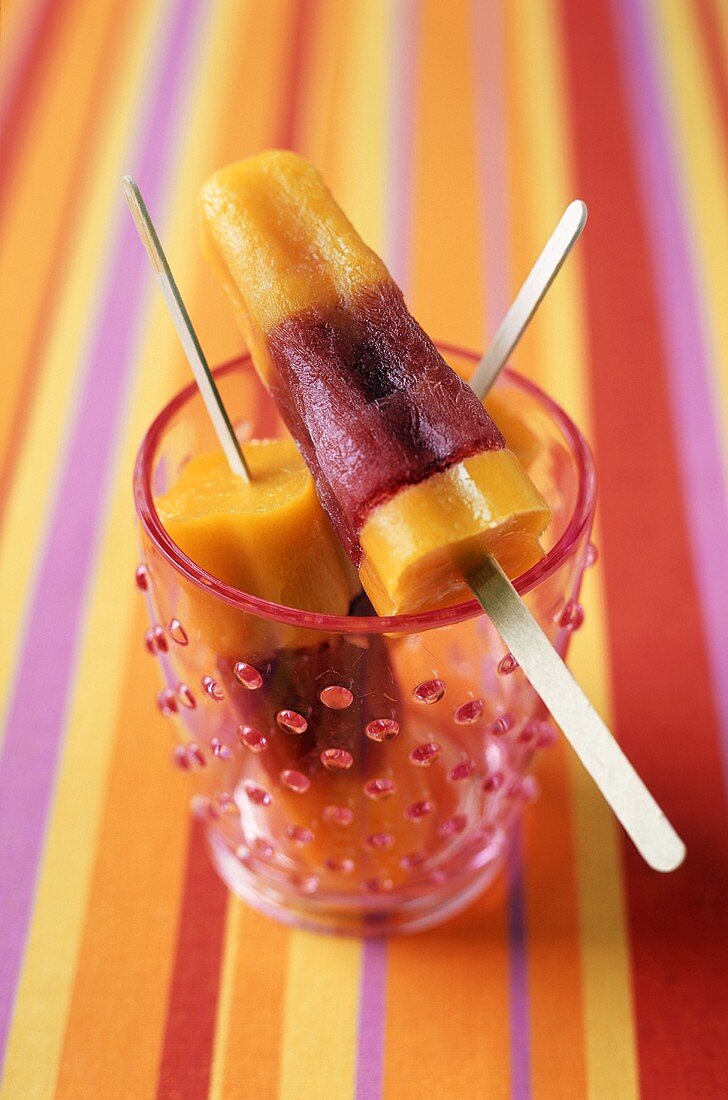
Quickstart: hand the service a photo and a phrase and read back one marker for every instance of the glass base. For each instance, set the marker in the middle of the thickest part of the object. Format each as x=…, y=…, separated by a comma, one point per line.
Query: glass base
x=372, y=917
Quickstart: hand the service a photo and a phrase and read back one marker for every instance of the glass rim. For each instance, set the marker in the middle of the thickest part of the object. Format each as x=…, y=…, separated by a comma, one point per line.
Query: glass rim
x=560, y=552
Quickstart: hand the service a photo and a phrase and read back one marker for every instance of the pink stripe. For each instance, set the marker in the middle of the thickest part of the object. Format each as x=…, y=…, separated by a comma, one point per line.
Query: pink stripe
x=689, y=374
x=42, y=691
x=398, y=233
x=372, y=1010
x=489, y=37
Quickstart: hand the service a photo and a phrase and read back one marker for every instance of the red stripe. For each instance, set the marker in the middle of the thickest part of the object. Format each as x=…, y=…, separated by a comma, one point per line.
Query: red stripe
x=72, y=214
x=192, y=1008
x=665, y=714
x=710, y=33
x=21, y=111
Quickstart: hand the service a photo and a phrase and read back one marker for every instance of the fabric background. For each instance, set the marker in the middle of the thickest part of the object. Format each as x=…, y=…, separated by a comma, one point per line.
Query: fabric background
x=453, y=133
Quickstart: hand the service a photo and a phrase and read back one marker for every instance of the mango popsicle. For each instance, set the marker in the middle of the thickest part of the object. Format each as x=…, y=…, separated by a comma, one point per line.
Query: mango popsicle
x=268, y=537
x=411, y=469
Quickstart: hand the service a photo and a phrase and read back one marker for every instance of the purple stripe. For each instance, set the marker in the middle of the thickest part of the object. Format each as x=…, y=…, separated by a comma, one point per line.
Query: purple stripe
x=519, y=1025
x=488, y=39
x=42, y=692
x=694, y=408
x=372, y=1005
x=402, y=63
x=398, y=240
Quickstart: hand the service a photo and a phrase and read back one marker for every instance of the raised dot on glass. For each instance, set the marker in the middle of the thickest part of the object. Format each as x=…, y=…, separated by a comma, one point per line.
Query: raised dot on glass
x=429, y=691
x=299, y=835
x=338, y=815
x=376, y=885
x=259, y=796
x=412, y=860
x=382, y=729
x=591, y=556
x=417, y=810
x=178, y=633
x=530, y=789
x=515, y=789
x=501, y=725
x=342, y=866
x=336, y=697
x=189, y=756
x=306, y=884
x=252, y=739
x=469, y=712
x=336, y=760
x=528, y=733
x=219, y=749
x=167, y=702
x=199, y=805
x=186, y=697
x=295, y=781
x=546, y=735
x=379, y=841
x=453, y=825
x=141, y=577
x=263, y=847
x=379, y=789
x=493, y=782
x=247, y=676
x=213, y=689
x=461, y=771
x=226, y=804
x=572, y=616
x=426, y=754
x=155, y=640
x=507, y=665
x=179, y=757
x=291, y=721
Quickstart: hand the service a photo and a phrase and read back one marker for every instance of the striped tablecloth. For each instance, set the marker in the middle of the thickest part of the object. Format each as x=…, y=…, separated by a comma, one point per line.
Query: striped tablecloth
x=453, y=133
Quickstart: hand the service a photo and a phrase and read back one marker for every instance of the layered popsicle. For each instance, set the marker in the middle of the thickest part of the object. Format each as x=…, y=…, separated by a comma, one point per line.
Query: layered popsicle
x=413, y=472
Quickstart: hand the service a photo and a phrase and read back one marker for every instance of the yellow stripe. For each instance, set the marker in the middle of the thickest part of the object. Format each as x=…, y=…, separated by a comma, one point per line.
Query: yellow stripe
x=320, y=1018
x=361, y=147
x=31, y=497
x=703, y=166
x=60, y=910
x=554, y=353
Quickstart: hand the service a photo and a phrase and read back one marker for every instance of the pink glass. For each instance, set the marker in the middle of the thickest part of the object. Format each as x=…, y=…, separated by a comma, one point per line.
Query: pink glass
x=356, y=775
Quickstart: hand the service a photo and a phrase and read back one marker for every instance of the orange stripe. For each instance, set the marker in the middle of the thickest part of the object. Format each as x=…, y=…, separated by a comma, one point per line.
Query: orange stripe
x=48, y=287
x=123, y=969
x=447, y=1004
x=252, y=1016
x=446, y=287
x=45, y=188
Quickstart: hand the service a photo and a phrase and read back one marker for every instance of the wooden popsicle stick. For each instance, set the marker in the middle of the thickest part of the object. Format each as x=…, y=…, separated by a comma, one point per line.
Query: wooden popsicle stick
x=634, y=806
x=187, y=335
x=529, y=297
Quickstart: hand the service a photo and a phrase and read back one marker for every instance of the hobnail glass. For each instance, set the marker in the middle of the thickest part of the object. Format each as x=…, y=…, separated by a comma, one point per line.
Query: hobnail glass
x=358, y=774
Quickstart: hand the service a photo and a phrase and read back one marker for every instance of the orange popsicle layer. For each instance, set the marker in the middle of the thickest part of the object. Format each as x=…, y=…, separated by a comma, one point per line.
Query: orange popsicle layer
x=268, y=537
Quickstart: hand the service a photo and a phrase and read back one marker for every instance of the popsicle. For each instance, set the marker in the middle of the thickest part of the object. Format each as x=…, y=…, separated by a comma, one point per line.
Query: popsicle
x=414, y=474
x=268, y=537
